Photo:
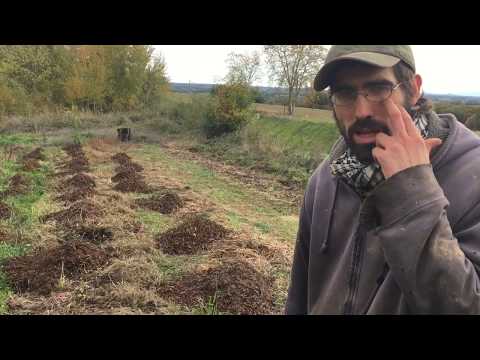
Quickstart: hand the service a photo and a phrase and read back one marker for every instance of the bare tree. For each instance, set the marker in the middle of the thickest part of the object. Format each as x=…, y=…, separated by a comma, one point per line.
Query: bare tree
x=243, y=68
x=294, y=66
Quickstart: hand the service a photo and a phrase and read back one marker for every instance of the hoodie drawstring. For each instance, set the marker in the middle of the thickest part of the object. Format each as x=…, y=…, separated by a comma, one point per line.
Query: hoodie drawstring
x=324, y=246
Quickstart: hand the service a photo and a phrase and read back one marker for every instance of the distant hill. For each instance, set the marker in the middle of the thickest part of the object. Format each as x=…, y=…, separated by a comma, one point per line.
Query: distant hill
x=269, y=91
x=194, y=88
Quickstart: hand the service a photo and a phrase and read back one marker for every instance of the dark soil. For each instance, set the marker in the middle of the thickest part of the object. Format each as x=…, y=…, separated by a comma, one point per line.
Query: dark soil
x=132, y=185
x=80, y=180
x=193, y=235
x=129, y=166
x=18, y=185
x=17, y=180
x=30, y=165
x=165, y=204
x=235, y=287
x=73, y=149
x=75, y=194
x=127, y=174
x=77, y=166
x=5, y=211
x=95, y=235
x=35, y=155
x=41, y=271
x=121, y=158
x=76, y=161
x=75, y=214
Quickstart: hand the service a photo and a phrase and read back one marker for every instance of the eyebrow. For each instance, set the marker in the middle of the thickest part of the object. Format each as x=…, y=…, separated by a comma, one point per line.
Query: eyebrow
x=368, y=83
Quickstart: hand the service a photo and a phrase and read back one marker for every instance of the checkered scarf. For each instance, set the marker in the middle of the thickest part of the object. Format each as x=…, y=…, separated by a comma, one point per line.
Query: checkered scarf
x=364, y=178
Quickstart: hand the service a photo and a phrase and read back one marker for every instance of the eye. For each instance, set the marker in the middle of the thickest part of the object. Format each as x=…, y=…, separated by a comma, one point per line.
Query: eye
x=346, y=94
x=378, y=90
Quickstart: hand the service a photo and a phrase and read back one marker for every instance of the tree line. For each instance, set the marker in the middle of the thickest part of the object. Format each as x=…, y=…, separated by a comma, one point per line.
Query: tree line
x=102, y=78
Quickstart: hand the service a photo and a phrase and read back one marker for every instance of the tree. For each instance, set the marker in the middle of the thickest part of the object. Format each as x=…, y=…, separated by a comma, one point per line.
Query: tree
x=38, y=71
x=87, y=84
x=294, y=66
x=127, y=66
x=156, y=82
x=243, y=68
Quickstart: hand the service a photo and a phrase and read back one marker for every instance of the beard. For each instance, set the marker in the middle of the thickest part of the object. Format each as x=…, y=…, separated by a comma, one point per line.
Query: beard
x=363, y=152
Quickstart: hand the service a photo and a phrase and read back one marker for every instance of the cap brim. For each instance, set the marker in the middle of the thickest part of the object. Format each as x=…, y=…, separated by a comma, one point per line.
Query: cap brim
x=322, y=80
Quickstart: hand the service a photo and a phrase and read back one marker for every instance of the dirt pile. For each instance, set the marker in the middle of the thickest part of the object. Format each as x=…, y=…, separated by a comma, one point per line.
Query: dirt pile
x=234, y=286
x=73, y=149
x=75, y=215
x=30, y=165
x=165, y=204
x=5, y=211
x=76, y=194
x=18, y=185
x=121, y=158
x=76, y=165
x=95, y=235
x=195, y=234
x=42, y=271
x=36, y=154
x=129, y=166
x=79, y=181
x=127, y=174
x=127, y=177
x=132, y=185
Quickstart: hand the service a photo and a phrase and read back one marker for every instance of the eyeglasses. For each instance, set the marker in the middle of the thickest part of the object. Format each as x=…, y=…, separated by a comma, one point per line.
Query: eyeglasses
x=376, y=93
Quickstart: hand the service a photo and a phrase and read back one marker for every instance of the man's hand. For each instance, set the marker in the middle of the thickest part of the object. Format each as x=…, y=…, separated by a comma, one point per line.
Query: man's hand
x=405, y=147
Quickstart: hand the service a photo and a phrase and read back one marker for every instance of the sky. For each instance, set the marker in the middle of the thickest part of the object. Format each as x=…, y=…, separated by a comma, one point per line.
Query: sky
x=445, y=69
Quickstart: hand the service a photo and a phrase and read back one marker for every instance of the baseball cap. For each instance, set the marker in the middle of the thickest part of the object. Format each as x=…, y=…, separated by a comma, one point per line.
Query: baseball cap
x=377, y=55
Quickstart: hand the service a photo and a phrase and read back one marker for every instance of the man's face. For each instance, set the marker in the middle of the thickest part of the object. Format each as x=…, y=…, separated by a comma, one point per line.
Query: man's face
x=361, y=121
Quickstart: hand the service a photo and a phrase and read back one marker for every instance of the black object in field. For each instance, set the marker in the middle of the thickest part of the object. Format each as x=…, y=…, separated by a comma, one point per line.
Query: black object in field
x=124, y=134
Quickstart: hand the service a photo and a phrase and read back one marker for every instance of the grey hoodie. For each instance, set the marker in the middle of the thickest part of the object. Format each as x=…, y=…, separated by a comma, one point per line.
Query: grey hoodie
x=411, y=247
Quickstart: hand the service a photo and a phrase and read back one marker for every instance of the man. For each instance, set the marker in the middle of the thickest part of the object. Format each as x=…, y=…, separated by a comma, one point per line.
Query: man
x=391, y=219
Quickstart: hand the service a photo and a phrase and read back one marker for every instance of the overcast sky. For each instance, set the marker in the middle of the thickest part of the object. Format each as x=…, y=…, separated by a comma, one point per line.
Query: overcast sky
x=453, y=69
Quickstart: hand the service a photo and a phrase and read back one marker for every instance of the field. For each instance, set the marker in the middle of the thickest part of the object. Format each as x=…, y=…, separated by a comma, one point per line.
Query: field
x=103, y=227
x=315, y=115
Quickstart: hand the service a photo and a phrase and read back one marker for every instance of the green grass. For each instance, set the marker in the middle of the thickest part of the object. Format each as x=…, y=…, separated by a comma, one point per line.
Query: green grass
x=7, y=251
x=239, y=204
x=290, y=149
x=235, y=220
x=19, y=139
x=154, y=222
x=300, y=135
x=25, y=211
x=174, y=266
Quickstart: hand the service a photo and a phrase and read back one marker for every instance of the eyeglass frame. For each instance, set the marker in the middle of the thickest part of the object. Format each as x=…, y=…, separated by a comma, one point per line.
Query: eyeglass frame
x=365, y=95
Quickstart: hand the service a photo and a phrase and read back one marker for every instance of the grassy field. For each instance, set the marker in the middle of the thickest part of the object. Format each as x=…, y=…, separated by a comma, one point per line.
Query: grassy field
x=307, y=114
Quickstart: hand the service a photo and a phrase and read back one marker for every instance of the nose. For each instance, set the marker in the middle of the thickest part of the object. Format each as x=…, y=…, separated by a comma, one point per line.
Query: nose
x=362, y=107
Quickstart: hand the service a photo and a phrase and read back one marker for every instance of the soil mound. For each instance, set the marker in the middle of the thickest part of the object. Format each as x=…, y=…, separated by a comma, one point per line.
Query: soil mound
x=193, y=235
x=5, y=211
x=75, y=214
x=36, y=154
x=42, y=271
x=235, y=287
x=121, y=158
x=80, y=180
x=165, y=204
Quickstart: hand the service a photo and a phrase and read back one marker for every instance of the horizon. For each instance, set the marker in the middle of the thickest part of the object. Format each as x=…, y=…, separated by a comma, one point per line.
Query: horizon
x=474, y=95
x=205, y=64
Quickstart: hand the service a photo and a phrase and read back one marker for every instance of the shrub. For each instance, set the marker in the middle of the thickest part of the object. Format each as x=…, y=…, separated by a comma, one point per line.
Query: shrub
x=229, y=111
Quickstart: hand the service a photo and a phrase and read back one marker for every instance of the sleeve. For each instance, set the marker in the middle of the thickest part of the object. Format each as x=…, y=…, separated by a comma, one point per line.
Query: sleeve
x=297, y=299
x=435, y=268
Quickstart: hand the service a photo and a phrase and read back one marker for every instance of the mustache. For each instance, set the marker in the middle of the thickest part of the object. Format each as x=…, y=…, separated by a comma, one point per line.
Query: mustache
x=368, y=124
